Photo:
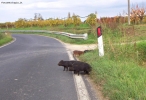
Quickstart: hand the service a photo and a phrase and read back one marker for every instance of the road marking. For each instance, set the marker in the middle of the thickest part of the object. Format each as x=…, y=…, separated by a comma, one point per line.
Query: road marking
x=8, y=43
x=79, y=84
x=15, y=79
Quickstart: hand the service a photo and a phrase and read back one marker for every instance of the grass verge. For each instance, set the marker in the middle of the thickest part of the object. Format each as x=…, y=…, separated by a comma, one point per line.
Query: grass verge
x=118, y=73
x=5, y=38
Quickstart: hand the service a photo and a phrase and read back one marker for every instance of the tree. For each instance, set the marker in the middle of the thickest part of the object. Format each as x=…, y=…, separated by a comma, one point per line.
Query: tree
x=20, y=23
x=76, y=20
x=35, y=16
x=69, y=15
x=38, y=16
x=91, y=20
x=137, y=14
x=9, y=25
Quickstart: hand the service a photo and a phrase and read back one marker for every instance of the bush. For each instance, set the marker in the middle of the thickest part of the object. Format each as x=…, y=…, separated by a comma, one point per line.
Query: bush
x=141, y=48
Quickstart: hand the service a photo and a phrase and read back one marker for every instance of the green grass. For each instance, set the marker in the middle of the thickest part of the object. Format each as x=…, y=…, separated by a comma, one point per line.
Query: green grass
x=118, y=72
x=124, y=33
x=29, y=28
x=5, y=39
x=141, y=52
x=119, y=34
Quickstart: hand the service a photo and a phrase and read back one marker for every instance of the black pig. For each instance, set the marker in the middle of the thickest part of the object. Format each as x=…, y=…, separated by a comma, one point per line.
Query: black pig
x=66, y=64
x=80, y=66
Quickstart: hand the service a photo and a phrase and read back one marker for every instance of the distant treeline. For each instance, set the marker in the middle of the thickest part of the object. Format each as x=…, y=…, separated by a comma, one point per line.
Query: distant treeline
x=137, y=16
x=22, y=23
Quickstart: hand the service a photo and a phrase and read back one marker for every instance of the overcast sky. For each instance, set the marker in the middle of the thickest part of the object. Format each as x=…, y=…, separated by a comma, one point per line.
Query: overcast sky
x=10, y=12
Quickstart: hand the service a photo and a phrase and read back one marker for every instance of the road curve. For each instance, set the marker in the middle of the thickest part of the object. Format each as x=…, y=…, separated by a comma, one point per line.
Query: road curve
x=29, y=70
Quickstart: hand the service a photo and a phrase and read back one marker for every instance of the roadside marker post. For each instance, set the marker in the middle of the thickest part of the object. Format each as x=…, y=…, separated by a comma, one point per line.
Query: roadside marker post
x=100, y=41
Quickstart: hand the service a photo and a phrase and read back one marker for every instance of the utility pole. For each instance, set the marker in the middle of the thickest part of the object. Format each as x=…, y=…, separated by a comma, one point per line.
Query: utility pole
x=129, y=12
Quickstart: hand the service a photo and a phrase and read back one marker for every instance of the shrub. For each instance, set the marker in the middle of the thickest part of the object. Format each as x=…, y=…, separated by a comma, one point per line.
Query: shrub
x=141, y=48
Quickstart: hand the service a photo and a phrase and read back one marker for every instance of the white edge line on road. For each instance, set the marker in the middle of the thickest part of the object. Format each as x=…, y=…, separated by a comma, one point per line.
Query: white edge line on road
x=8, y=43
x=79, y=84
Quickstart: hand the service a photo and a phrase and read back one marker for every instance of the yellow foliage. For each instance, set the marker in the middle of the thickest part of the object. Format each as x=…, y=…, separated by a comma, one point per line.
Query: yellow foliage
x=91, y=20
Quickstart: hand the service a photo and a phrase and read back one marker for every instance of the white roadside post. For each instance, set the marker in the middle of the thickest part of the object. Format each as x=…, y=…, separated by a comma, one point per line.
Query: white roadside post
x=100, y=42
x=85, y=36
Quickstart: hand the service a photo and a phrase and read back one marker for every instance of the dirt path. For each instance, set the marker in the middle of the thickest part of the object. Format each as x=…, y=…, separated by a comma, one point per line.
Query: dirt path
x=73, y=47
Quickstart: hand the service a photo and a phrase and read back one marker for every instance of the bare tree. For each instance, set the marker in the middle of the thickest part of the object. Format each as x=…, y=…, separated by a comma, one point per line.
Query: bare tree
x=38, y=16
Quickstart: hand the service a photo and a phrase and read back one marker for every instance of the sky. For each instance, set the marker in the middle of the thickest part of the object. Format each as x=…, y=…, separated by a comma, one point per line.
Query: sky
x=12, y=10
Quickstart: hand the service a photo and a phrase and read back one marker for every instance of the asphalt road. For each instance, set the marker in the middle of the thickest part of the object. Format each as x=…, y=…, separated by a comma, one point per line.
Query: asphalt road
x=29, y=70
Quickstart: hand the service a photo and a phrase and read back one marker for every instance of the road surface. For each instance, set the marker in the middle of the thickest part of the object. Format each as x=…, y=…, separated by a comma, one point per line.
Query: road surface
x=29, y=70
